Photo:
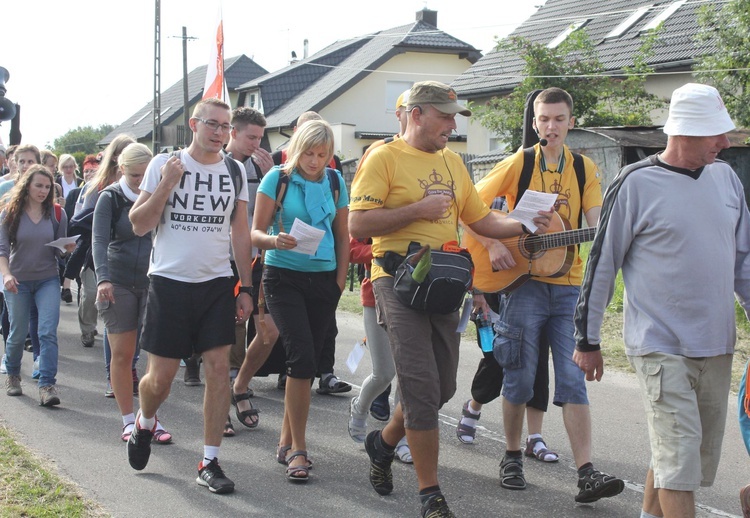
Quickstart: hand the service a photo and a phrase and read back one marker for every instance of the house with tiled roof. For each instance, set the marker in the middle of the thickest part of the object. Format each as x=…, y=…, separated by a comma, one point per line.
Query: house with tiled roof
x=237, y=70
x=616, y=27
x=354, y=83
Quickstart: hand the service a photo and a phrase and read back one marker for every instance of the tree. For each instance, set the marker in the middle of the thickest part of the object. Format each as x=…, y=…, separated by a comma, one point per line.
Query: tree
x=726, y=65
x=83, y=139
x=599, y=99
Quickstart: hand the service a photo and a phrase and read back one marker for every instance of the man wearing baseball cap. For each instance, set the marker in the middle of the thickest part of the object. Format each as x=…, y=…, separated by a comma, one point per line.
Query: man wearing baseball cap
x=681, y=268
x=414, y=189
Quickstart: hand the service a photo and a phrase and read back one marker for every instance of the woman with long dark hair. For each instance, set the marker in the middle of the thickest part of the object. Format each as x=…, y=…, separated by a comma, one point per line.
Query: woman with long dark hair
x=28, y=221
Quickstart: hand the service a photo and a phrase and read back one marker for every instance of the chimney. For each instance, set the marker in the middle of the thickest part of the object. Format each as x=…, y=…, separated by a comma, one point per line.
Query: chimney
x=304, y=53
x=427, y=16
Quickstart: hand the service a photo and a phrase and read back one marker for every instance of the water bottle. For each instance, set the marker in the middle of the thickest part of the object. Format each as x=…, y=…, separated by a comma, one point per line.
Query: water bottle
x=485, y=332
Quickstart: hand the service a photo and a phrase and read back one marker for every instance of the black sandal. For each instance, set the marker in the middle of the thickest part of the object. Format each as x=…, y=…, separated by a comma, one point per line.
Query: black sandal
x=511, y=473
x=297, y=473
x=245, y=414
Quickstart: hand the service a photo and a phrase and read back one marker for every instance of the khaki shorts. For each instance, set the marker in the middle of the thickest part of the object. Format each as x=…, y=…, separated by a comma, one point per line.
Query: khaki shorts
x=686, y=407
x=126, y=313
x=425, y=351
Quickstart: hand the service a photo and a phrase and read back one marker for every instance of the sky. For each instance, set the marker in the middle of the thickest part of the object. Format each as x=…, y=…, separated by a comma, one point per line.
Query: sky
x=91, y=62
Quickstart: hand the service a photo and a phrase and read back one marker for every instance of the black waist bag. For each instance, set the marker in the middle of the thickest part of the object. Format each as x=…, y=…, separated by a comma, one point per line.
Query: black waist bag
x=445, y=286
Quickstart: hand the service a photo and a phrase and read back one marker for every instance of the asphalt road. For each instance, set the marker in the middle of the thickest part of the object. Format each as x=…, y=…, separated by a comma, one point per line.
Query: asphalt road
x=81, y=438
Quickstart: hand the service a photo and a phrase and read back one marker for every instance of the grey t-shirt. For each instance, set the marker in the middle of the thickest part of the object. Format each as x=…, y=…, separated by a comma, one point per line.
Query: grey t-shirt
x=30, y=259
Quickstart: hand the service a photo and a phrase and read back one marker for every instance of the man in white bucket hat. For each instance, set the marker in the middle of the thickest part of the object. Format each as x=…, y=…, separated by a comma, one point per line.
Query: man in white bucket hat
x=681, y=268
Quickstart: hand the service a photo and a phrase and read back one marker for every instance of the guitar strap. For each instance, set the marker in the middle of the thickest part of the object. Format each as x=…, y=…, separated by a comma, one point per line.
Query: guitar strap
x=529, y=157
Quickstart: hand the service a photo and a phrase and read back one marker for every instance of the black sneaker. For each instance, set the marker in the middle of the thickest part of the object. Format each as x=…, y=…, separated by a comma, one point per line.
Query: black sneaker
x=511, y=473
x=436, y=507
x=380, y=408
x=595, y=485
x=193, y=371
x=139, y=446
x=332, y=385
x=212, y=476
x=66, y=295
x=381, y=476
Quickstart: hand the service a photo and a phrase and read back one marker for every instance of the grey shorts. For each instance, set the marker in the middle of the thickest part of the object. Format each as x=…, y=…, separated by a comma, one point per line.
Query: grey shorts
x=686, y=408
x=425, y=351
x=126, y=313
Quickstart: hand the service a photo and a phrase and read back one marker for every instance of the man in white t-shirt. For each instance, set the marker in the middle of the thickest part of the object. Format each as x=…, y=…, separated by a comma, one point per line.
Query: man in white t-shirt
x=189, y=199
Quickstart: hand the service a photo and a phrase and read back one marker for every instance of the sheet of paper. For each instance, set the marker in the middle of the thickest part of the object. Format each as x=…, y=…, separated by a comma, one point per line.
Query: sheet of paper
x=308, y=237
x=60, y=243
x=355, y=357
x=465, y=314
x=529, y=206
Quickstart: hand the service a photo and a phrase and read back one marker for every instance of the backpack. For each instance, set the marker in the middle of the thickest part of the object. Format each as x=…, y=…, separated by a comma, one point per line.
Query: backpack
x=528, y=168
x=234, y=171
x=56, y=221
x=119, y=202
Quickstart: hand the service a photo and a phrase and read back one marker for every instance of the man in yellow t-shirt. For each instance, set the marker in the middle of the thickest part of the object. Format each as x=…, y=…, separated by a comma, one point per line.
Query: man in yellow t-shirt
x=543, y=307
x=413, y=189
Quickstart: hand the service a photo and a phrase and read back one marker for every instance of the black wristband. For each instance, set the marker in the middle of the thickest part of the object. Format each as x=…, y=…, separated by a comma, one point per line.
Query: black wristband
x=246, y=289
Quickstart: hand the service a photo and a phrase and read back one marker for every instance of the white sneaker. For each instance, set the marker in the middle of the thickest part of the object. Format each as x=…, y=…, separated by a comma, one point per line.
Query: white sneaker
x=3, y=369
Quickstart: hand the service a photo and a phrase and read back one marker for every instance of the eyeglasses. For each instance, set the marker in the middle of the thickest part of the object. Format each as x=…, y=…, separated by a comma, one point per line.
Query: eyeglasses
x=214, y=125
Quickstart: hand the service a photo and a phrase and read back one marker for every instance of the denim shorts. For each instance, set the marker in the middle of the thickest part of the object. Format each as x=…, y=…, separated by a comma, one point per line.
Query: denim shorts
x=534, y=309
x=686, y=408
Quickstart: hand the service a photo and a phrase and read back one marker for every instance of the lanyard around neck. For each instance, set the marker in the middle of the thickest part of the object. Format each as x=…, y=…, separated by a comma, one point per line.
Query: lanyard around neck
x=560, y=165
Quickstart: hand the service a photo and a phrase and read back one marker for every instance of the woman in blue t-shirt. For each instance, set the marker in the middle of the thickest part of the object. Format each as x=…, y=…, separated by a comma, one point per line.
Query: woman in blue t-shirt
x=302, y=287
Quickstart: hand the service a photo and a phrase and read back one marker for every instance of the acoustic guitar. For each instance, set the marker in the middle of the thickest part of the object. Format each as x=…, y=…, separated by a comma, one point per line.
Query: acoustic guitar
x=547, y=255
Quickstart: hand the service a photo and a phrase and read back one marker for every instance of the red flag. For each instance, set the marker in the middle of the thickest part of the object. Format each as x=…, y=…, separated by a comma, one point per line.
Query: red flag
x=216, y=85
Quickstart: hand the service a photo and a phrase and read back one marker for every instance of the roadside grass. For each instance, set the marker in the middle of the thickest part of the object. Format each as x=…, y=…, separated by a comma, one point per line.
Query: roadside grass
x=613, y=348
x=29, y=489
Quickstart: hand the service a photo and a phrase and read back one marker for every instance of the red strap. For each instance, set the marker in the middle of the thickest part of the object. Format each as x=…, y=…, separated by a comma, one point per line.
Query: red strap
x=58, y=212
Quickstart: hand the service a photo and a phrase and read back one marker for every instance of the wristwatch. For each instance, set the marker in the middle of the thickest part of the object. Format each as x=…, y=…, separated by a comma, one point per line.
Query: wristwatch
x=246, y=289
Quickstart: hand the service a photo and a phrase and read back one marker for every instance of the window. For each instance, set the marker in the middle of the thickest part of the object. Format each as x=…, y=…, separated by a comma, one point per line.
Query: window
x=567, y=32
x=392, y=90
x=253, y=100
x=666, y=13
x=628, y=23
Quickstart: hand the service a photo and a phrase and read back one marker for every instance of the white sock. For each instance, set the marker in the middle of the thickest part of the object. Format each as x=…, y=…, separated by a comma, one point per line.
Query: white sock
x=146, y=424
x=468, y=421
x=538, y=445
x=210, y=453
x=128, y=419
x=331, y=381
x=644, y=514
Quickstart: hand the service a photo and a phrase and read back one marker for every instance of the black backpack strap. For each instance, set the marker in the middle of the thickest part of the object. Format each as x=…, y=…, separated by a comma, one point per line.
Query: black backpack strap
x=580, y=169
x=119, y=202
x=529, y=155
x=237, y=178
x=333, y=182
